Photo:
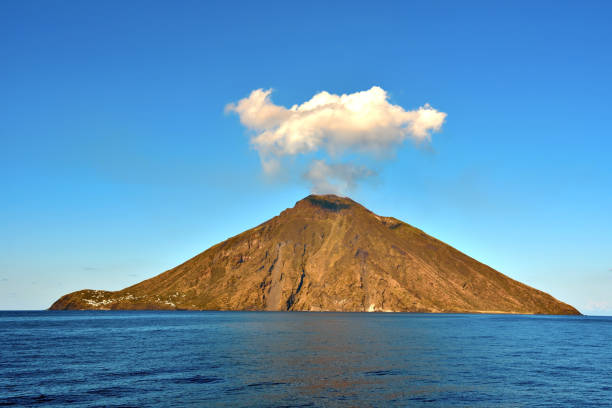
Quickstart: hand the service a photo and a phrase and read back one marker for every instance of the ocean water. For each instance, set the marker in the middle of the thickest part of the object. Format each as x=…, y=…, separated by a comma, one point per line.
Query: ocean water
x=246, y=359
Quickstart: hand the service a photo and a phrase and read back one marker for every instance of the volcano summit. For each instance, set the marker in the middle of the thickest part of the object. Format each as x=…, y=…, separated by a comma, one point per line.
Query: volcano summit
x=328, y=253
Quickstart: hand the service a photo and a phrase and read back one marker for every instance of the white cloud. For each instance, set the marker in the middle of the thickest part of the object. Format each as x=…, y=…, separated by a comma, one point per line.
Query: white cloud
x=361, y=122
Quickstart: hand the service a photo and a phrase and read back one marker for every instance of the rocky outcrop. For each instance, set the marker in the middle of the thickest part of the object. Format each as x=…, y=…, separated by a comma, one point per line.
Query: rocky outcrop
x=328, y=253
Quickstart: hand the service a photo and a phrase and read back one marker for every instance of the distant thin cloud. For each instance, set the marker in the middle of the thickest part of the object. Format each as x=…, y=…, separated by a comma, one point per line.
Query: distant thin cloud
x=89, y=268
x=598, y=306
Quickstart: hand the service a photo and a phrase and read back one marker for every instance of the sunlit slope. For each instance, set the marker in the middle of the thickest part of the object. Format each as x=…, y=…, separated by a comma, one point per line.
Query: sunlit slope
x=328, y=253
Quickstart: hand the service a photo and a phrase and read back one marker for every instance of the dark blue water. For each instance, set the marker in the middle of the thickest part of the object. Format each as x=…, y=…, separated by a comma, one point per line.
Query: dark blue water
x=303, y=359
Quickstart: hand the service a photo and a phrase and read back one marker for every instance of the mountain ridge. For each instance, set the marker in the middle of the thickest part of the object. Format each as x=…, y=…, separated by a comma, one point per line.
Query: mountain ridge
x=328, y=253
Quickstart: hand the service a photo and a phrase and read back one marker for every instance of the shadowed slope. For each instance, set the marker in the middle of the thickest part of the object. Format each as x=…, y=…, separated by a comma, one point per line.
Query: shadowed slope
x=328, y=254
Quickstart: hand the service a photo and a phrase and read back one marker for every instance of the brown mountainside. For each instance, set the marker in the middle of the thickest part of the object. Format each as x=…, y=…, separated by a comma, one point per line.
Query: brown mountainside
x=328, y=253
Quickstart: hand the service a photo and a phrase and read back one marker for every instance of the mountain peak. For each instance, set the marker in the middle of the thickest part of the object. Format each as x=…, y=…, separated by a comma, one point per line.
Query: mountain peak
x=328, y=253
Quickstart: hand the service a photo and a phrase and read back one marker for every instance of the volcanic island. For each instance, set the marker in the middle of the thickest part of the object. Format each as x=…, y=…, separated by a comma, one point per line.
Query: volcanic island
x=327, y=253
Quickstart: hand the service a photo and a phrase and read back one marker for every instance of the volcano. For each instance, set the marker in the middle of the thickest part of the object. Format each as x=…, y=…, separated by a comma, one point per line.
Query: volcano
x=327, y=253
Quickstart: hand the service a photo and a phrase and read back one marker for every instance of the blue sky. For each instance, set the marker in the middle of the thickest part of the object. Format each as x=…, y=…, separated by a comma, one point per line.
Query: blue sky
x=118, y=160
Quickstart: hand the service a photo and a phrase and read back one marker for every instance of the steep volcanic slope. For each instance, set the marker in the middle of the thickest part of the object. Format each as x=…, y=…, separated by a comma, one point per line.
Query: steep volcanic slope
x=328, y=254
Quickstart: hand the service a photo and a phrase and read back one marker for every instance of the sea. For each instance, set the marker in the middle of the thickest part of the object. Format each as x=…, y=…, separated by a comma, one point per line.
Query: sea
x=293, y=359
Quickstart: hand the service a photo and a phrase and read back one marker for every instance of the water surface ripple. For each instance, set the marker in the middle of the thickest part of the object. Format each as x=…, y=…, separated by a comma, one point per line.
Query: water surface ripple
x=245, y=359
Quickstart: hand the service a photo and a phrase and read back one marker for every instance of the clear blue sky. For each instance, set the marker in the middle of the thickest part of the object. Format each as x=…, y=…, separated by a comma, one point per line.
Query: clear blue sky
x=118, y=162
